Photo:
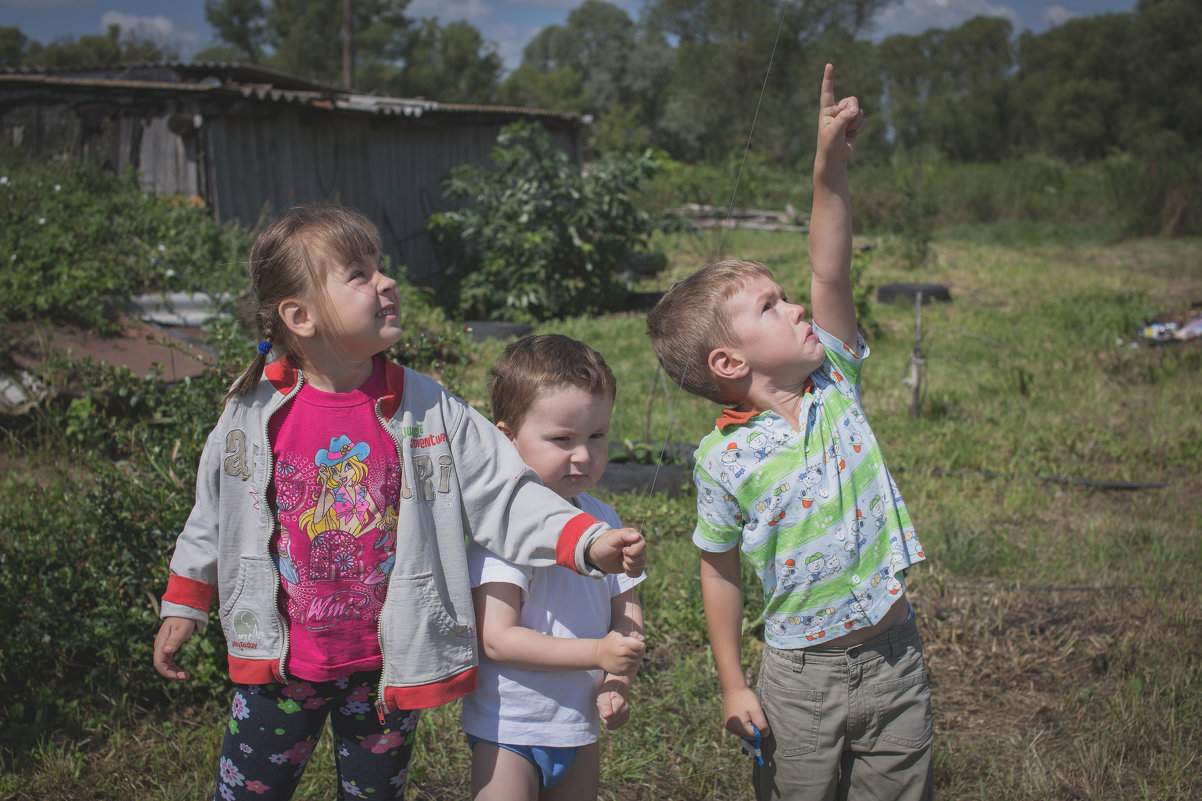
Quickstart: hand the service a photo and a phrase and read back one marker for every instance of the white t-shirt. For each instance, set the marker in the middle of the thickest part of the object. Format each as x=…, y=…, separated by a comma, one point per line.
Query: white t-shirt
x=556, y=708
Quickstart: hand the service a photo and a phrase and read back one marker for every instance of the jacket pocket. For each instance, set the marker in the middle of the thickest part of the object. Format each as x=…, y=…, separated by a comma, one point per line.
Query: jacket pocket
x=422, y=639
x=248, y=617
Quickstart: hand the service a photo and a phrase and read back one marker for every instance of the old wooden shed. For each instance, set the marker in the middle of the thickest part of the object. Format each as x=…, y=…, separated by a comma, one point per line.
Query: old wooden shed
x=248, y=142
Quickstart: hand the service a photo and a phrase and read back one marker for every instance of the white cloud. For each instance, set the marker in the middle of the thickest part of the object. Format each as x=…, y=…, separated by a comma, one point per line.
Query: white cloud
x=474, y=11
x=565, y=5
x=157, y=29
x=1051, y=16
x=916, y=16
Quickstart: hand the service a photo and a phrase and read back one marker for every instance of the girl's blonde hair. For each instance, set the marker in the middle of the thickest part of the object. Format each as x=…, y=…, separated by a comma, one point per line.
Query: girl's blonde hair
x=290, y=259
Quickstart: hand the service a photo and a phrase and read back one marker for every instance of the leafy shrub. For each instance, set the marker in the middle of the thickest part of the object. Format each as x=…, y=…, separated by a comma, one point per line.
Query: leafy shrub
x=1155, y=196
x=79, y=241
x=84, y=553
x=753, y=182
x=540, y=239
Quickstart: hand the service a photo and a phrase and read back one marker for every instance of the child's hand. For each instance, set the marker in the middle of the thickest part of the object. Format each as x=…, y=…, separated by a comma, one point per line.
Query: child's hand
x=174, y=632
x=611, y=703
x=620, y=654
x=742, y=708
x=619, y=550
x=839, y=123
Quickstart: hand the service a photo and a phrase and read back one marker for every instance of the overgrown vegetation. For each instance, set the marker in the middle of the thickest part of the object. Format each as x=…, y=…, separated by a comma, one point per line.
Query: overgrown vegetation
x=1064, y=652
x=540, y=239
x=79, y=242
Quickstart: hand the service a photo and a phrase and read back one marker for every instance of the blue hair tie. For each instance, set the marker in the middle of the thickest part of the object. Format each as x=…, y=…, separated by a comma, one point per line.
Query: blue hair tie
x=265, y=347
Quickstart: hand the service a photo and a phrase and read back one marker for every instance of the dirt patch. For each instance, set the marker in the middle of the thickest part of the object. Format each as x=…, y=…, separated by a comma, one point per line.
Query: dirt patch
x=146, y=349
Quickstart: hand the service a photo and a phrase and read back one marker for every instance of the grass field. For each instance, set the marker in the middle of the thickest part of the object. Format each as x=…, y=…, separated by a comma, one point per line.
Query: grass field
x=1062, y=620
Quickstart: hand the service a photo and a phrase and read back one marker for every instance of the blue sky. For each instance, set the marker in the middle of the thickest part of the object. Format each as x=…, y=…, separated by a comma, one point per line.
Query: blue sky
x=507, y=24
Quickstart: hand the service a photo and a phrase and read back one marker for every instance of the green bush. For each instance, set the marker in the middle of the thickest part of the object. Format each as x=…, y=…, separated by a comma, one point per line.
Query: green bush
x=84, y=551
x=753, y=183
x=540, y=239
x=79, y=241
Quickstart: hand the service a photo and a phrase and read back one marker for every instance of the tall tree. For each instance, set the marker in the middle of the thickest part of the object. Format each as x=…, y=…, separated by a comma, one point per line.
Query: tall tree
x=305, y=37
x=970, y=107
x=110, y=48
x=599, y=62
x=240, y=25
x=1164, y=91
x=12, y=46
x=450, y=63
x=1076, y=76
x=721, y=74
x=558, y=89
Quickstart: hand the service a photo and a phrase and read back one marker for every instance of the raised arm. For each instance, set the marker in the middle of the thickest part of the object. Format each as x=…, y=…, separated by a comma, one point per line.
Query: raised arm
x=839, y=123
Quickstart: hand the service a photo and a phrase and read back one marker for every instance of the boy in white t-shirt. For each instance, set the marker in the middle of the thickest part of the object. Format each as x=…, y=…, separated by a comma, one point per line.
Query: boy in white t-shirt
x=559, y=650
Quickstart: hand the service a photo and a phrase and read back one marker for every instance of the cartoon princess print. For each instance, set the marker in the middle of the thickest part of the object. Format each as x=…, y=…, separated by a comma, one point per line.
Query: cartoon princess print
x=344, y=503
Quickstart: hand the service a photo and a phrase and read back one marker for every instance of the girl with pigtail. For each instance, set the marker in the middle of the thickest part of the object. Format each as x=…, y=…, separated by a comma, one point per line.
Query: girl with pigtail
x=333, y=500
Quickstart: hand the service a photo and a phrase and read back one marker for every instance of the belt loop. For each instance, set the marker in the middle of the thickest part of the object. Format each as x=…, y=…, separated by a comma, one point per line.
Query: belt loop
x=798, y=660
x=896, y=636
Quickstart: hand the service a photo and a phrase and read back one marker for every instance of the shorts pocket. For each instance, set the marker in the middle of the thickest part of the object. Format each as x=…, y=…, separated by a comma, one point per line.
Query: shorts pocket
x=904, y=703
x=793, y=708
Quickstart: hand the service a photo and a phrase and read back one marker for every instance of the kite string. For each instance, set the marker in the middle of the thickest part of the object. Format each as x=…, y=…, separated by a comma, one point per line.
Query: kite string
x=673, y=401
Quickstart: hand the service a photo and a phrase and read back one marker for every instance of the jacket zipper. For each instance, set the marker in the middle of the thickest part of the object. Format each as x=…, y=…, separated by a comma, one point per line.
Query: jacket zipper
x=381, y=704
x=271, y=525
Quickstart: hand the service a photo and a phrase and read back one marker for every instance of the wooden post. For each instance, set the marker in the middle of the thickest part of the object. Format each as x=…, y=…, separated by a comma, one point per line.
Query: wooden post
x=348, y=45
x=916, y=359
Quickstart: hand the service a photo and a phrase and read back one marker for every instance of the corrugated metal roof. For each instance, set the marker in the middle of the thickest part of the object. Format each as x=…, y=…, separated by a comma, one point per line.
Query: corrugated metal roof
x=188, y=72
x=250, y=81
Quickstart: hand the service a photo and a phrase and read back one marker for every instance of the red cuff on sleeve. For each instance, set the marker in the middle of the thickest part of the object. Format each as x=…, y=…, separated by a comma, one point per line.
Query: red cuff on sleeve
x=189, y=592
x=565, y=549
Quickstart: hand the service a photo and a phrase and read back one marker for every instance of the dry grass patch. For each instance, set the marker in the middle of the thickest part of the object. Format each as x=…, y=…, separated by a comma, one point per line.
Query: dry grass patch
x=1064, y=694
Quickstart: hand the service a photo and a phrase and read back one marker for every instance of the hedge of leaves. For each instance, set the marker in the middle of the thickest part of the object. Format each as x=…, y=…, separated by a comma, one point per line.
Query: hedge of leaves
x=79, y=241
x=541, y=239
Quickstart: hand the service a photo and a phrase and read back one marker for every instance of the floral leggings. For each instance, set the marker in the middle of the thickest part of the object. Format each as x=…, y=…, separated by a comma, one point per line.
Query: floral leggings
x=273, y=729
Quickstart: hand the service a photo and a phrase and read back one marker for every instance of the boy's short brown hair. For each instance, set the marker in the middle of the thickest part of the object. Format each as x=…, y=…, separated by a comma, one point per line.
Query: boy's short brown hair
x=690, y=320
x=535, y=365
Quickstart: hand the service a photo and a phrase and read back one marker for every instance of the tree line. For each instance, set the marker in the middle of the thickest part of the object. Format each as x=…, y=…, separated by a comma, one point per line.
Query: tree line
x=688, y=76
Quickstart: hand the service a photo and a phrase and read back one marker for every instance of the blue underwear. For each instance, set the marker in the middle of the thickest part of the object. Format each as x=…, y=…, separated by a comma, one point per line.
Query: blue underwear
x=552, y=763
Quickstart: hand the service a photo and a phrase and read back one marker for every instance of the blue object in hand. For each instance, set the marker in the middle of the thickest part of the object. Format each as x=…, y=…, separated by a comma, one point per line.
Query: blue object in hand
x=752, y=747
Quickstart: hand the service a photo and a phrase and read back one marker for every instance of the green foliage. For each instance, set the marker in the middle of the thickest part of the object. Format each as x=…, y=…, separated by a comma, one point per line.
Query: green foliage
x=1128, y=193
x=84, y=552
x=71, y=224
x=911, y=218
x=304, y=37
x=540, y=239
x=450, y=63
x=111, y=47
x=600, y=63
x=557, y=89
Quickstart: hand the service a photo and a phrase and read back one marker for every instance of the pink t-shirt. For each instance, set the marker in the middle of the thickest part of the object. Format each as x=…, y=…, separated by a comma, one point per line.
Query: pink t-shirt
x=335, y=491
